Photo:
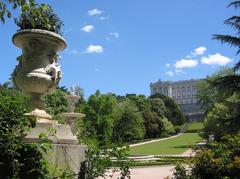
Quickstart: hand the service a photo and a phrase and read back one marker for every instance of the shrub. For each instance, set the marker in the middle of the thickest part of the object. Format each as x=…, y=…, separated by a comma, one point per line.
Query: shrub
x=17, y=159
x=219, y=160
x=55, y=104
x=34, y=16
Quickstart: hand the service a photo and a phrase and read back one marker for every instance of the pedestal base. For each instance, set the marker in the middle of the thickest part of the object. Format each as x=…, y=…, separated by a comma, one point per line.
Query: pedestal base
x=65, y=154
x=62, y=135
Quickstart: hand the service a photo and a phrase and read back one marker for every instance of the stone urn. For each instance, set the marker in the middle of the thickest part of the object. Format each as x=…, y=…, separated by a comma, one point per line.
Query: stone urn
x=36, y=74
x=38, y=71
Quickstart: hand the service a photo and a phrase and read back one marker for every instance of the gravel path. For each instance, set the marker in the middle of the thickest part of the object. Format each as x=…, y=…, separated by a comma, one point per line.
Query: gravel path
x=154, y=172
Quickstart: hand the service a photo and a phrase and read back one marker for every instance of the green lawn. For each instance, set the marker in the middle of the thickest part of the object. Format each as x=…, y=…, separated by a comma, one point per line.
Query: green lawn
x=195, y=126
x=176, y=145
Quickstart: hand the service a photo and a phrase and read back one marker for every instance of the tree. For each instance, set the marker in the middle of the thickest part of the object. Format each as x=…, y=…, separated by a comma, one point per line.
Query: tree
x=221, y=105
x=233, y=22
x=173, y=112
x=129, y=124
x=231, y=82
x=153, y=111
x=99, y=118
x=224, y=118
x=5, y=10
x=208, y=94
x=151, y=123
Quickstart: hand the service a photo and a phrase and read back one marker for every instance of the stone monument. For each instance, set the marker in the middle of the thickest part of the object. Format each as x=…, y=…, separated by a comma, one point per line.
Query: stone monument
x=36, y=74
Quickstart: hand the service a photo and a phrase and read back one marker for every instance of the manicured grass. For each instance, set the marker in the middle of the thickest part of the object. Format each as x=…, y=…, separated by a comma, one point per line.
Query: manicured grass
x=176, y=145
x=195, y=126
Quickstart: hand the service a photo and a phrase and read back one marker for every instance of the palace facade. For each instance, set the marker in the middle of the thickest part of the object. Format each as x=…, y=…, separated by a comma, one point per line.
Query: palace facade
x=183, y=93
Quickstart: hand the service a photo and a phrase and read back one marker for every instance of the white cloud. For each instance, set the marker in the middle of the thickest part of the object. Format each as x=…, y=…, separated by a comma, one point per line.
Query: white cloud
x=167, y=65
x=196, y=52
x=216, y=59
x=94, y=49
x=104, y=18
x=199, y=51
x=113, y=35
x=179, y=71
x=87, y=28
x=186, y=63
x=169, y=73
x=73, y=52
x=94, y=12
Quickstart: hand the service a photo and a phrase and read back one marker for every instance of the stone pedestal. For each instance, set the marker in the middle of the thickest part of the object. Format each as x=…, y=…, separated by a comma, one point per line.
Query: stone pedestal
x=66, y=153
x=67, y=156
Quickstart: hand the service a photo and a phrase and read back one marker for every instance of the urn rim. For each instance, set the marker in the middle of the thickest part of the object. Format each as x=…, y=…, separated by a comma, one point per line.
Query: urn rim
x=44, y=33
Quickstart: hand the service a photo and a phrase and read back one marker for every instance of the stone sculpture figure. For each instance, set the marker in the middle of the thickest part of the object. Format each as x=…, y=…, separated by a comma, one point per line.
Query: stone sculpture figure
x=54, y=69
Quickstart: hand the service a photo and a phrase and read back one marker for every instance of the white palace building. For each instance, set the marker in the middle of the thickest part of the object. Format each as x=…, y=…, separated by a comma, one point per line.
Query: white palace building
x=183, y=92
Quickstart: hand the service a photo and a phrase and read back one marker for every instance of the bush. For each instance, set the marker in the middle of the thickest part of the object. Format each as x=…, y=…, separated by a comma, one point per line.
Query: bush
x=17, y=159
x=168, y=128
x=34, y=16
x=219, y=160
x=55, y=104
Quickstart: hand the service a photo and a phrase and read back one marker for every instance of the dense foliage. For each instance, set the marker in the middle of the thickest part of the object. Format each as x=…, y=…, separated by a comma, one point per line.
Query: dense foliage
x=110, y=118
x=221, y=106
x=129, y=124
x=55, y=104
x=5, y=10
x=173, y=111
x=17, y=159
x=219, y=160
x=34, y=16
x=112, y=121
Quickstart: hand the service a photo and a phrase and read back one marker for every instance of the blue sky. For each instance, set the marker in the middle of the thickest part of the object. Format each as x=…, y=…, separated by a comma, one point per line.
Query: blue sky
x=123, y=46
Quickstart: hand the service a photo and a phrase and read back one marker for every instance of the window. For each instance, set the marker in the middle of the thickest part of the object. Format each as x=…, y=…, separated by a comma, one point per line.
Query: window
x=188, y=91
x=165, y=91
x=160, y=90
x=183, y=91
x=173, y=92
x=154, y=90
x=178, y=92
x=193, y=90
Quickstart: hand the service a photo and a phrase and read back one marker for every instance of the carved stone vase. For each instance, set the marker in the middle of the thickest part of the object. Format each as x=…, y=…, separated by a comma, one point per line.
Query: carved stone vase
x=38, y=72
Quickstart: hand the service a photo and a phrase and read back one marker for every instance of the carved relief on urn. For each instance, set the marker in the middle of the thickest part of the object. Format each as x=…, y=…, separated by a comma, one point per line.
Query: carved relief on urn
x=38, y=71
